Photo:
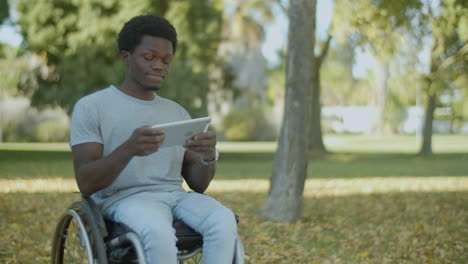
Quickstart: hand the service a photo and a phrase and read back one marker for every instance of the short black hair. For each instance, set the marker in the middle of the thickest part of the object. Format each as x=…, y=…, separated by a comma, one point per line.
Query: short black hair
x=133, y=31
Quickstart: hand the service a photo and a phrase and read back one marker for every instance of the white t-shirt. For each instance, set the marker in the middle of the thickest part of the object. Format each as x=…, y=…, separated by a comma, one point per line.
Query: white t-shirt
x=109, y=117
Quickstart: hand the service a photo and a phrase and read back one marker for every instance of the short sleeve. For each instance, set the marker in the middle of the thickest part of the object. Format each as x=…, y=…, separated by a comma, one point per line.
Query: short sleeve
x=85, y=127
x=183, y=113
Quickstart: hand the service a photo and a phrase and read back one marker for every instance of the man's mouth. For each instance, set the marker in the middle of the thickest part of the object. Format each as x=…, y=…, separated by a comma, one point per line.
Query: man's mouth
x=155, y=77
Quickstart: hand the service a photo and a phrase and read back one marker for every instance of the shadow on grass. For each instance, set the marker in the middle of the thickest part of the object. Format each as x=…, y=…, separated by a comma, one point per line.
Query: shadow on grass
x=17, y=164
x=364, y=165
x=394, y=227
x=351, y=156
x=34, y=155
x=339, y=156
x=258, y=165
x=350, y=165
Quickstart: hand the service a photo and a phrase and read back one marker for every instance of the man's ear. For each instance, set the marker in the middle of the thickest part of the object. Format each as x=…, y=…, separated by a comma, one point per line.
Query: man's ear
x=125, y=57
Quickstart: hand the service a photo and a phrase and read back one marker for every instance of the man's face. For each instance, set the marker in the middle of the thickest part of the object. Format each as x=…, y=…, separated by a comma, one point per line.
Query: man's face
x=148, y=65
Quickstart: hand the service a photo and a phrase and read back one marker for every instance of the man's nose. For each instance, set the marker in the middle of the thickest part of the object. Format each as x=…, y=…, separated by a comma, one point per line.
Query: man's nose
x=157, y=64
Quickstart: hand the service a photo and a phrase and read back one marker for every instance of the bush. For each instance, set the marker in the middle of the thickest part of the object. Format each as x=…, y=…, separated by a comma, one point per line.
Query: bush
x=16, y=132
x=248, y=125
x=53, y=130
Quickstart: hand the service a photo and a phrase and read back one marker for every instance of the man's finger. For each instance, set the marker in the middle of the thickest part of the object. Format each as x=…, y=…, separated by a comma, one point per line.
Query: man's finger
x=148, y=131
x=152, y=139
x=205, y=135
x=201, y=142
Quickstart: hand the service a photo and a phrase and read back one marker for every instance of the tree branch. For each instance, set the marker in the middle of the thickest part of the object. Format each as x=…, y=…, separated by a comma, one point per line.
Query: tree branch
x=325, y=47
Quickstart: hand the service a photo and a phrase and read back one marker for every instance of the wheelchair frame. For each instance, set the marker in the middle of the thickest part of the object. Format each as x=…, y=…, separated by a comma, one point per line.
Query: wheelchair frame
x=105, y=241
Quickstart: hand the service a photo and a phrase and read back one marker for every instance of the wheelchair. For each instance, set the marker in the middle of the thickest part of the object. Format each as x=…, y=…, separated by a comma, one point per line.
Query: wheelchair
x=83, y=235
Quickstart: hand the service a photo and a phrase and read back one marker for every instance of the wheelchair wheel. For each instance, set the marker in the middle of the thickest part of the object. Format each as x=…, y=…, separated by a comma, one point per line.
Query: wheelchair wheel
x=77, y=238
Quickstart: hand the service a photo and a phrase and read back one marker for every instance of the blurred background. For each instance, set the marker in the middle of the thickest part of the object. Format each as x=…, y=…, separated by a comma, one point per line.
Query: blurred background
x=382, y=65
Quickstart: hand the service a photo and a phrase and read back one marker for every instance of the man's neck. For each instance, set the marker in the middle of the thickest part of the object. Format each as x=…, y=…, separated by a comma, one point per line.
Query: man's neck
x=134, y=90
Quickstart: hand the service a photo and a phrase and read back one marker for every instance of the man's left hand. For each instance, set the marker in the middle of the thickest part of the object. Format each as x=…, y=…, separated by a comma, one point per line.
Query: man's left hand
x=203, y=144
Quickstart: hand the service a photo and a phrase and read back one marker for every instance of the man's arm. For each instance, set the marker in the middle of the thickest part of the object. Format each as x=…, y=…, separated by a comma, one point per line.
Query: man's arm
x=94, y=172
x=198, y=175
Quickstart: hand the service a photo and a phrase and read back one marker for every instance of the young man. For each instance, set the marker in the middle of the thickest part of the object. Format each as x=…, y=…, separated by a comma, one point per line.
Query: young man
x=118, y=162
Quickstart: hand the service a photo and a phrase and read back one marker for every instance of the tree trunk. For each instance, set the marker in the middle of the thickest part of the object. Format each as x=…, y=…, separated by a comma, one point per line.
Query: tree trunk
x=316, y=145
x=426, y=148
x=431, y=91
x=284, y=200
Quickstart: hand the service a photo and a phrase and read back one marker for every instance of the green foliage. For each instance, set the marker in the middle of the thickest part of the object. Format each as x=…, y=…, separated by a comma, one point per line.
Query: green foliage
x=15, y=70
x=449, y=59
x=4, y=11
x=31, y=130
x=339, y=87
x=78, y=41
x=52, y=131
x=12, y=132
x=395, y=115
x=248, y=124
x=377, y=23
x=20, y=130
x=276, y=85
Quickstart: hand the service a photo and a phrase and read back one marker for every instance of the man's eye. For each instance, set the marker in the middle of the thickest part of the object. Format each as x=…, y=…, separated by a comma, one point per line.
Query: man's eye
x=148, y=57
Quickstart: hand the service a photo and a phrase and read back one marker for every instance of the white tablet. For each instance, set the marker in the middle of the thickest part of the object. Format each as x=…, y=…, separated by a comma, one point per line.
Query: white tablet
x=179, y=132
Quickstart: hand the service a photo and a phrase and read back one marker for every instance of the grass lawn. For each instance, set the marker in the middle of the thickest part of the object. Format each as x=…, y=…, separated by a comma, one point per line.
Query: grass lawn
x=371, y=200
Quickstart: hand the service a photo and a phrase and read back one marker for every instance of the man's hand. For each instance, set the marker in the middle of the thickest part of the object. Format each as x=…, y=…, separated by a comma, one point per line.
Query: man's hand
x=145, y=141
x=203, y=144
x=196, y=174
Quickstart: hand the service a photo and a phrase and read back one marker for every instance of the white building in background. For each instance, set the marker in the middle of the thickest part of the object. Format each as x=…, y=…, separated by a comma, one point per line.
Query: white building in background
x=361, y=119
x=349, y=119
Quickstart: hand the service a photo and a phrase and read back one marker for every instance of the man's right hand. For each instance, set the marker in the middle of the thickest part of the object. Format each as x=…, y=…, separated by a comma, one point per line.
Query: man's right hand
x=145, y=140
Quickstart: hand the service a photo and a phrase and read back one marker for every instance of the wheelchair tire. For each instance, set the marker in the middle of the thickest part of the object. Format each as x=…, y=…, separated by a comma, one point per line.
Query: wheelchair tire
x=77, y=237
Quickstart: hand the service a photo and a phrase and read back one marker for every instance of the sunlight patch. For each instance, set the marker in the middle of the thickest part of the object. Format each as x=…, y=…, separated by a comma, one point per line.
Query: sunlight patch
x=340, y=187
x=313, y=187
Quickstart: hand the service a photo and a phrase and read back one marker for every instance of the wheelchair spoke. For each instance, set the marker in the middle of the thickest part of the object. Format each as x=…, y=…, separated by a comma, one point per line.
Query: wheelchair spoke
x=72, y=239
x=76, y=237
x=72, y=244
x=197, y=259
x=193, y=259
x=82, y=255
x=68, y=252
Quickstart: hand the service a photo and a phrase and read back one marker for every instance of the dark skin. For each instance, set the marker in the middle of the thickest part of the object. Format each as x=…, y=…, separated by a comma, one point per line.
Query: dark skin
x=146, y=68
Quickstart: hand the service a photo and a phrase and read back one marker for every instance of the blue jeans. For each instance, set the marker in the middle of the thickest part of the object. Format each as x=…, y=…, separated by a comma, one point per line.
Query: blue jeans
x=150, y=215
